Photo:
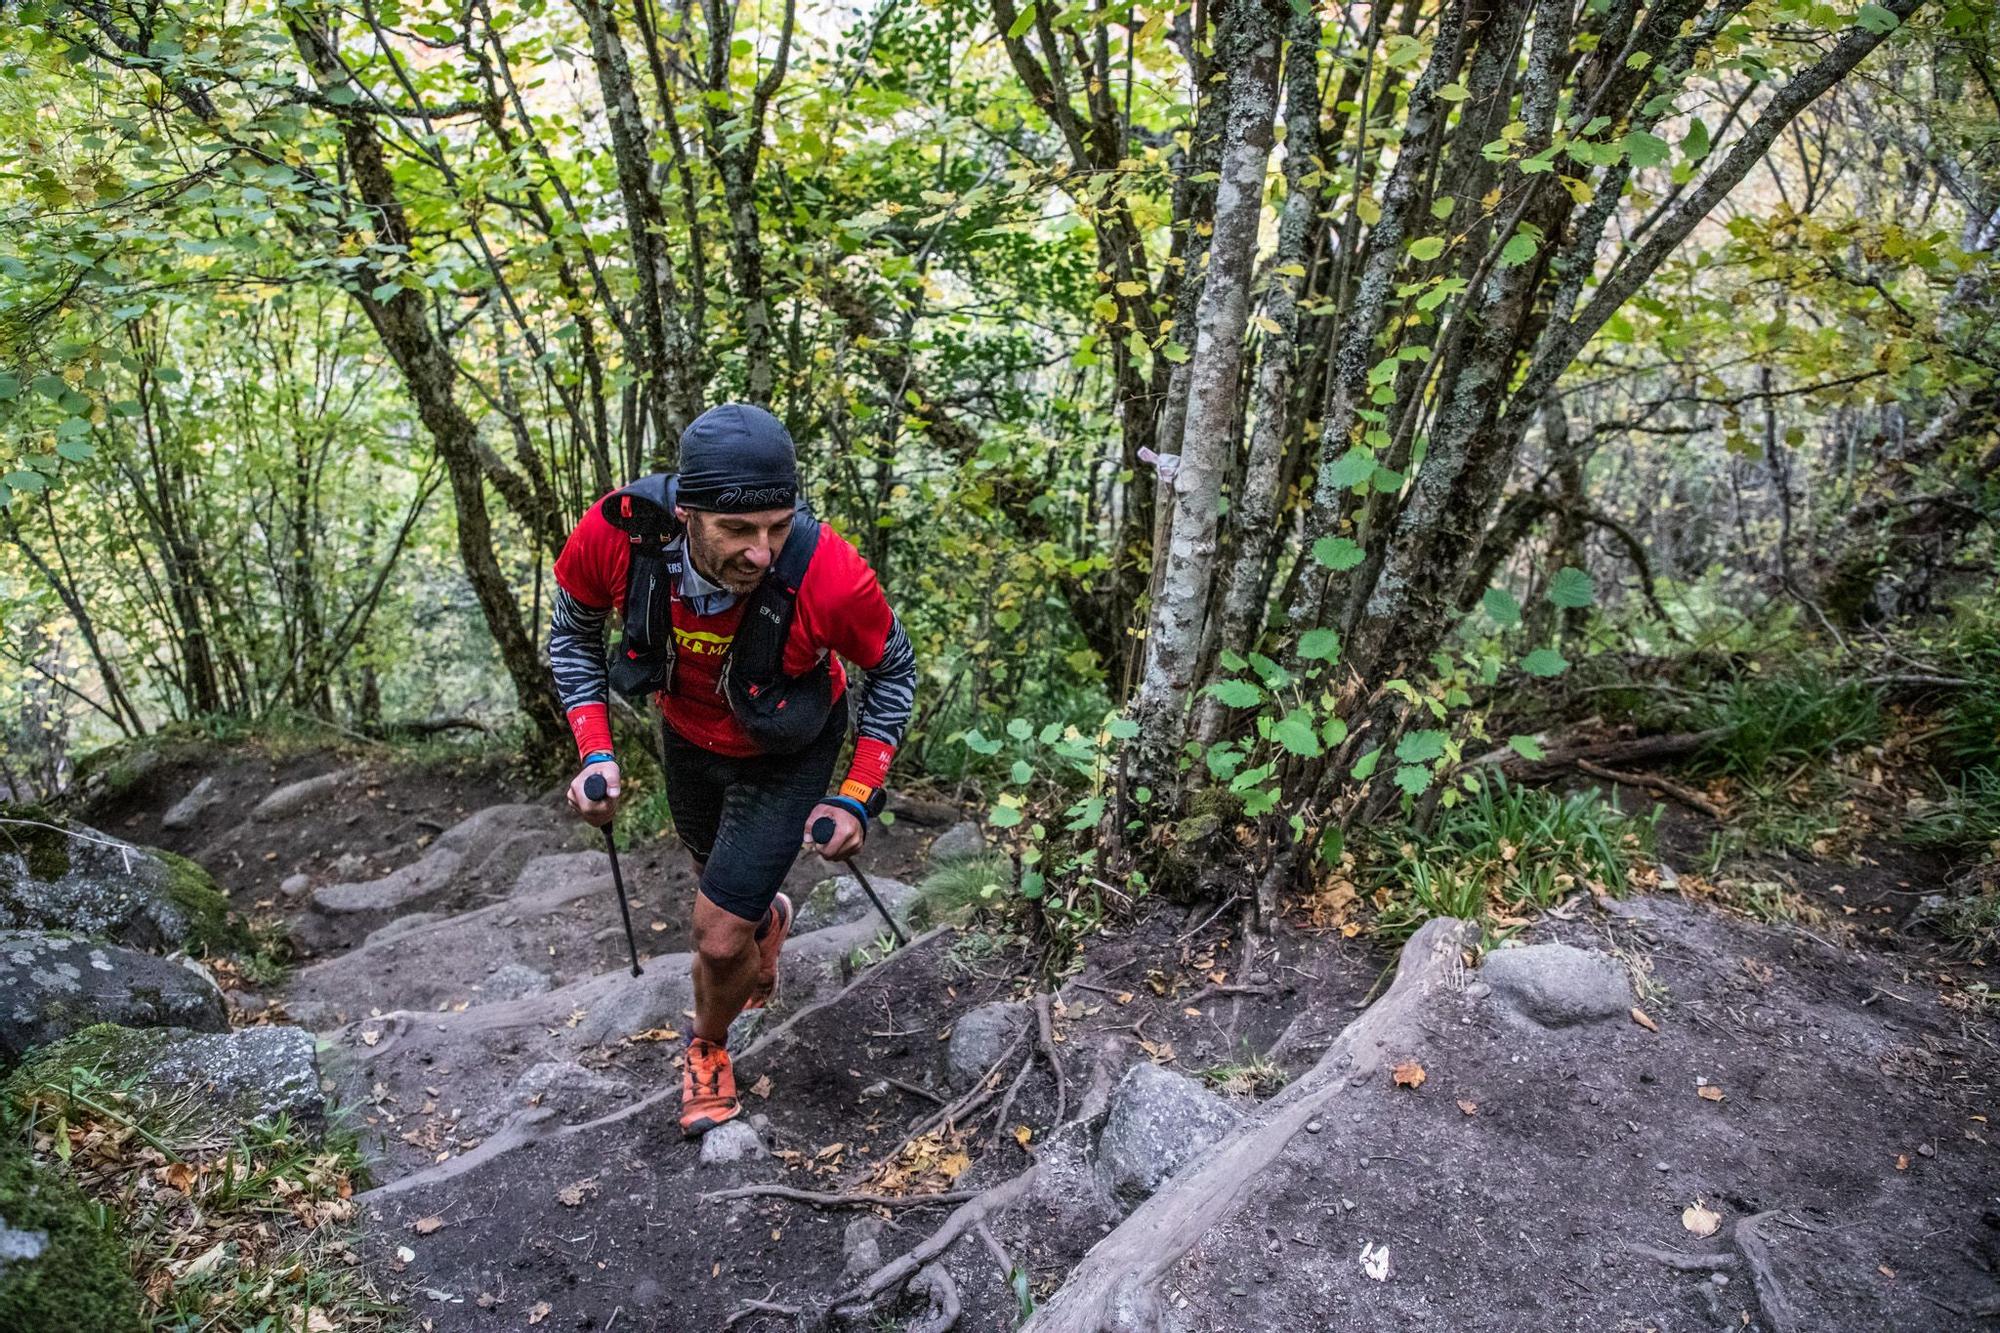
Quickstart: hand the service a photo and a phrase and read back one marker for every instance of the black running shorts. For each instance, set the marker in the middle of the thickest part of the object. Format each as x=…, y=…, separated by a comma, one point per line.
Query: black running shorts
x=745, y=818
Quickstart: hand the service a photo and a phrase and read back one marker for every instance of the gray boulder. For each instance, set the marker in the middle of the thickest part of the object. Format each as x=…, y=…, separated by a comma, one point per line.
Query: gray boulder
x=861, y=1248
x=960, y=842
x=1158, y=1122
x=88, y=882
x=237, y=1078
x=730, y=1142
x=980, y=1038
x=837, y=901
x=191, y=807
x=52, y=985
x=569, y=1089
x=1558, y=985
x=304, y=794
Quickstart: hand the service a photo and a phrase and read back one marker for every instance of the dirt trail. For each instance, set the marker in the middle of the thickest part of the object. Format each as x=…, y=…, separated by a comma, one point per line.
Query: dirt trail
x=1829, y=1106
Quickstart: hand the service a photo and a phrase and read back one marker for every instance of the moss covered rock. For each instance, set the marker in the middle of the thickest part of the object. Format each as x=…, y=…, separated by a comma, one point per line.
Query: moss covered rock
x=62, y=1259
x=54, y=984
x=56, y=875
x=242, y=1077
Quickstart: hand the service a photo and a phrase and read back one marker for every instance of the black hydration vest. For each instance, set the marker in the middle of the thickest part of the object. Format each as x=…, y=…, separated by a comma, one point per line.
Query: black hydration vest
x=781, y=713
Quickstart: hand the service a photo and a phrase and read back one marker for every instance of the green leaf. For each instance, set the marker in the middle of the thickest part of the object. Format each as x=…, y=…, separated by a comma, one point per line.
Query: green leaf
x=978, y=744
x=1031, y=885
x=1645, y=150
x=385, y=291
x=1295, y=732
x=10, y=385
x=1413, y=778
x=76, y=451
x=1526, y=746
x=1004, y=816
x=1878, y=20
x=1338, y=553
x=1021, y=772
x=1695, y=144
x=1351, y=469
x=1122, y=728
x=1453, y=92
x=1174, y=352
x=1571, y=587
x=1544, y=662
x=1519, y=249
x=1019, y=729
x=1500, y=605
x=1319, y=645
x=1420, y=746
x=1429, y=247
x=1022, y=22
x=1364, y=767
x=1236, y=693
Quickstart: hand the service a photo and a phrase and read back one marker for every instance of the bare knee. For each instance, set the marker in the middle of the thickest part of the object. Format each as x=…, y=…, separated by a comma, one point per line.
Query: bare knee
x=723, y=944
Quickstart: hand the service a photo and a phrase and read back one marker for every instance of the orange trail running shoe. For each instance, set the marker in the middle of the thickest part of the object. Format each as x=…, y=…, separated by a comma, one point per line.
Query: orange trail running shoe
x=771, y=933
x=708, y=1088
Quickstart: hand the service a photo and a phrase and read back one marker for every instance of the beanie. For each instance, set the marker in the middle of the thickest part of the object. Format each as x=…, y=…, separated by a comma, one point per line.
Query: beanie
x=737, y=458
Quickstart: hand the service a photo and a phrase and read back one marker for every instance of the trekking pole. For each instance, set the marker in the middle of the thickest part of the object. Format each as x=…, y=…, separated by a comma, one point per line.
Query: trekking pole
x=823, y=831
x=594, y=789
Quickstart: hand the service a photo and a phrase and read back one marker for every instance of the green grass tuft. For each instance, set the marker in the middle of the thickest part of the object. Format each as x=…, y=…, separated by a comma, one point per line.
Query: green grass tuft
x=1780, y=724
x=1507, y=849
x=956, y=889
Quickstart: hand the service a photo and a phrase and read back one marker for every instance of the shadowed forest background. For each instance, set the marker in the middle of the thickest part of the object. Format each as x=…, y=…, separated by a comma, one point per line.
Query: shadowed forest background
x=1340, y=465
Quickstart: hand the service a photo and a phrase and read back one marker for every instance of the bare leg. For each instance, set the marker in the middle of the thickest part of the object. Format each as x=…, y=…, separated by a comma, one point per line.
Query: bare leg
x=725, y=968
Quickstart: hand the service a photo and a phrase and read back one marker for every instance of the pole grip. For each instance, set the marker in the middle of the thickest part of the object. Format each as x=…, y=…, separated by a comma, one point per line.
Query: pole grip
x=594, y=787
x=823, y=830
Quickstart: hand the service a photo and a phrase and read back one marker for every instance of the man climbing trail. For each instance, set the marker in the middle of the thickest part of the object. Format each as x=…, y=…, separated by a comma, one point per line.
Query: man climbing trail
x=737, y=604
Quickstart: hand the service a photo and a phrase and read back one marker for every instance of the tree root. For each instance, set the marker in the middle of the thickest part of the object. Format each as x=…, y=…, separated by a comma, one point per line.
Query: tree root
x=1779, y=1316
x=934, y=1282
x=1667, y=787
x=856, y=1199
x=859, y=1299
x=1683, y=1263
x=1116, y=1287
x=1045, y=1024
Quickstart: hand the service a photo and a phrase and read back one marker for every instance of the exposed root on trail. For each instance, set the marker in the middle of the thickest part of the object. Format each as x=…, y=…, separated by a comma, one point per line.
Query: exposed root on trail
x=1686, y=795
x=854, y=1199
x=1116, y=1287
x=1777, y=1309
x=945, y=1309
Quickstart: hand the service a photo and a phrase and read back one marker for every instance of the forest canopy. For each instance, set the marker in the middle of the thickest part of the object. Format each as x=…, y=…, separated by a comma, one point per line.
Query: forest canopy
x=1239, y=400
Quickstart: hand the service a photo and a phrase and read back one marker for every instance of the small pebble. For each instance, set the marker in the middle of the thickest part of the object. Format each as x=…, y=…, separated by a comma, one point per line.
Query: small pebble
x=1661, y=1166
x=1238, y=1291
x=1719, y=1279
x=1346, y=1205
x=1313, y=1126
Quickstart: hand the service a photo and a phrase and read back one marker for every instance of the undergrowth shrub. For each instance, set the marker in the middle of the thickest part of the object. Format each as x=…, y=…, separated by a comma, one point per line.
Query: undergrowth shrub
x=1777, y=724
x=1504, y=850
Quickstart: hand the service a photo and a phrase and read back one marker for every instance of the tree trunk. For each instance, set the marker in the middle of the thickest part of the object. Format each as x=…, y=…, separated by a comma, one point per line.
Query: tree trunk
x=1247, y=43
x=1253, y=519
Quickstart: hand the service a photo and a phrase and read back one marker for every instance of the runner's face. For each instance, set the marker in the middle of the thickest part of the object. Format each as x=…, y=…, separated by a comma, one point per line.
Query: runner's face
x=734, y=550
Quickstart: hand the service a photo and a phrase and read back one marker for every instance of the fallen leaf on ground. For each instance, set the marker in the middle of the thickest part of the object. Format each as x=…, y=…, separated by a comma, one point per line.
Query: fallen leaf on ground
x=1022, y=1134
x=1124, y=997
x=1885, y=1270
x=1700, y=1220
x=1643, y=1019
x=539, y=1313
x=572, y=1196
x=1375, y=1261
x=1708, y=1092
x=370, y=1038
x=654, y=1034
x=1467, y=1107
x=318, y=1322
x=1408, y=1074
x=405, y=1255
x=424, y=1226
x=762, y=1087
x=1902, y=1161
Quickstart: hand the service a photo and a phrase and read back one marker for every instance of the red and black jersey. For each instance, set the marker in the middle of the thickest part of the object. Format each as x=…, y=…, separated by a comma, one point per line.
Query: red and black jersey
x=840, y=613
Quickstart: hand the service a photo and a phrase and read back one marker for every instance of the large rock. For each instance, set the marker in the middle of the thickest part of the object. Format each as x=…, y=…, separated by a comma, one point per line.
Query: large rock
x=731, y=1142
x=960, y=842
x=191, y=807
x=837, y=901
x=1158, y=1122
x=980, y=1038
x=237, y=1078
x=1558, y=985
x=88, y=882
x=304, y=794
x=52, y=985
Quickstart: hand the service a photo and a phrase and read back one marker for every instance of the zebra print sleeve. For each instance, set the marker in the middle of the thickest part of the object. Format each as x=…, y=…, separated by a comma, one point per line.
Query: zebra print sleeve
x=889, y=694
x=576, y=651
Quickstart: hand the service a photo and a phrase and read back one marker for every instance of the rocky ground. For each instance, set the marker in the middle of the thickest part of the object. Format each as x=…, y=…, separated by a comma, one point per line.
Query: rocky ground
x=1659, y=1115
